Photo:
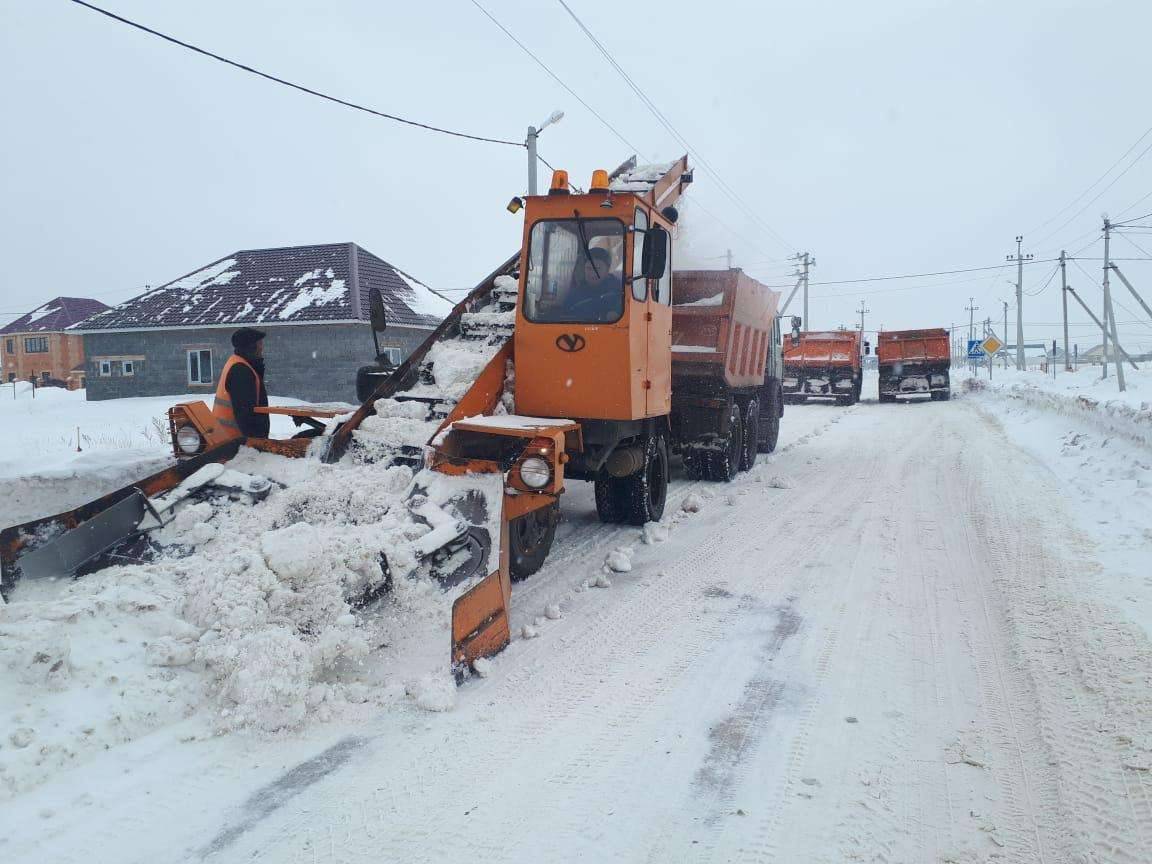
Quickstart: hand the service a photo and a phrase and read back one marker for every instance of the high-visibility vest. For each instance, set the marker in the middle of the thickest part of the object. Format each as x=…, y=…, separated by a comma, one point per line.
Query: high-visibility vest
x=222, y=404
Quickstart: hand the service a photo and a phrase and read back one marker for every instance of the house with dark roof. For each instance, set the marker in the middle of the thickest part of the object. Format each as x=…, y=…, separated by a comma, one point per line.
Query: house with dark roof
x=311, y=301
x=38, y=346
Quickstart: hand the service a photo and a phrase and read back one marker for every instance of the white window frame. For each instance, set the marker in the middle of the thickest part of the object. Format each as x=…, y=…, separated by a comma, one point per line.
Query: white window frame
x=128, y=368
x=199, y=353
x=29, y=341
x=105, y=368
x=395, y=355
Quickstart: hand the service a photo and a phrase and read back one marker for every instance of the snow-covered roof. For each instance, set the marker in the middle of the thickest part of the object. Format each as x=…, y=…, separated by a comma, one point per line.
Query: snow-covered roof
x=290, y=285
x=57, y=314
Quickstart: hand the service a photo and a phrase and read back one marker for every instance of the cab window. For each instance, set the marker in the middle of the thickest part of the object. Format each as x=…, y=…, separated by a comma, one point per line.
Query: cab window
x=639, y=283
x=575, y=271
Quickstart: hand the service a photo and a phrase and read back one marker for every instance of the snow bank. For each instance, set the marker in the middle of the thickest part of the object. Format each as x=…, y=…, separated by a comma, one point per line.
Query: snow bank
x=1126, y=415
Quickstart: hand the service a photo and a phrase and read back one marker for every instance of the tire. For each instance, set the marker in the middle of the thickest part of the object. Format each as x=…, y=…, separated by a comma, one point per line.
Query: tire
x=640, y=497
x=768, y=428
x=724, y=463
x=887, y=397
x=942, y=395
x=751, y=443
x=530, y=539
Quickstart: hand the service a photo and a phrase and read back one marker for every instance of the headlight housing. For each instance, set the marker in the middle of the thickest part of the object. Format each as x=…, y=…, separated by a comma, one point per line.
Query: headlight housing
x=188, y=439
x=535, y=472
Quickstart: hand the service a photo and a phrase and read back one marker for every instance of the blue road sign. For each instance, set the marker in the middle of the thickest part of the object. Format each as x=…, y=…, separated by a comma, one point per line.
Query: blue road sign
x=975, y=349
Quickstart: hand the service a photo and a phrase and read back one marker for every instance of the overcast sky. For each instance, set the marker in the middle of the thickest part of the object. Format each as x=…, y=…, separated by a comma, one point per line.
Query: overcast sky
x=889, y=137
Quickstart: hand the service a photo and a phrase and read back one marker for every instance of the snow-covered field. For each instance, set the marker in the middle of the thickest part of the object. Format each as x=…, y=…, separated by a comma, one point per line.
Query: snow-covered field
x=917, y=633
x=41, y=470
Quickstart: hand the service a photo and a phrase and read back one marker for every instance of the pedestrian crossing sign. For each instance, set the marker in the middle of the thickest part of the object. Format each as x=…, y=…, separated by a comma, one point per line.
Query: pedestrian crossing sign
x=991, y=345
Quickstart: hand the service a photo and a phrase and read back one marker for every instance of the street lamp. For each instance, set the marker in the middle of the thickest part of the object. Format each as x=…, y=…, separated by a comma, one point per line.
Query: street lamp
x=530, y=143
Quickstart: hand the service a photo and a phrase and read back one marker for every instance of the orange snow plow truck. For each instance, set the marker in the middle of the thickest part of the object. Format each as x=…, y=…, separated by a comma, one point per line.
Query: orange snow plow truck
x=914, y=362
x=597, y=365
x=824, y=365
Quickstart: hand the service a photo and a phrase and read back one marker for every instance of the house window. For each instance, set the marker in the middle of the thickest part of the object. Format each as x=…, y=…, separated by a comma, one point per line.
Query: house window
x=45, y=376
x=36, y=344
x=128, y=368
x=200, y=366
x=105, y=368
x=393, y=355
x=10, y=346
x=11, y=377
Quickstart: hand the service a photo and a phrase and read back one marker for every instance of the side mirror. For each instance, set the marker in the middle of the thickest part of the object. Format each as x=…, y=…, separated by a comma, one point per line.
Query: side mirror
x=654, y=255
x=377, y=313
x=795, y=330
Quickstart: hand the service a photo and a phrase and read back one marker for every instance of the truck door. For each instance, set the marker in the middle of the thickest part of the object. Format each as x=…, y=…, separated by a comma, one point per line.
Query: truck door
x=655, y=295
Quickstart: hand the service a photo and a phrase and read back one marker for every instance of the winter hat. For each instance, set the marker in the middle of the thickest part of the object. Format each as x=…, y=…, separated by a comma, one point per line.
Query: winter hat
x=245, y=338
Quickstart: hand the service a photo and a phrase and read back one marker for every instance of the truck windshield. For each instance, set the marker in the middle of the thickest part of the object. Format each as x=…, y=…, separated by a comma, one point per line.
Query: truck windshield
x=575, y=271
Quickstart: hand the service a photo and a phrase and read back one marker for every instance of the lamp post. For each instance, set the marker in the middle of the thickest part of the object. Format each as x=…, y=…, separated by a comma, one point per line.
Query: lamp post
x=530, y=143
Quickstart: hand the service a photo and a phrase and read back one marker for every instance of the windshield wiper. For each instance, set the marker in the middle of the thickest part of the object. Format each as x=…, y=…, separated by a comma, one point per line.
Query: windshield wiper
x=584, y=241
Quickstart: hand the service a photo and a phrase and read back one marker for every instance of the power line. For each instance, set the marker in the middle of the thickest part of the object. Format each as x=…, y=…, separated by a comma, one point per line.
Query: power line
x=921, y=275
x=667, y=124
x=1075, y=200
x=557, y=78
x=294, y=86
x=1098, y=195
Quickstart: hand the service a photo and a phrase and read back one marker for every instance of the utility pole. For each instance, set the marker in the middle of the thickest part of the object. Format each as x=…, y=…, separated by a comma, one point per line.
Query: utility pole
x=972, y=308
x=1110, y=315
x=1005, y=349
x=1064, y=301
x=806, y=261
x=530, y=143
x=862, y=312
x=1019, y=258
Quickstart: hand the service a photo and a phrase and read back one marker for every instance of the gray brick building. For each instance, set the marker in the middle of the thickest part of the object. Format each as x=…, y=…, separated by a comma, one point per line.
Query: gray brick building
x=312, y=301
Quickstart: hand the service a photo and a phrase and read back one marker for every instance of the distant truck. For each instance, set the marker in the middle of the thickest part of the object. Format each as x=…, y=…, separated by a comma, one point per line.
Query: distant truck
x=823, y=365
x=914, y=362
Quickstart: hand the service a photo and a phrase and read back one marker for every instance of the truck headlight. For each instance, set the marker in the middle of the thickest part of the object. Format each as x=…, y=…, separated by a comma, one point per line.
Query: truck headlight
x=535, y=472
x=188, y=439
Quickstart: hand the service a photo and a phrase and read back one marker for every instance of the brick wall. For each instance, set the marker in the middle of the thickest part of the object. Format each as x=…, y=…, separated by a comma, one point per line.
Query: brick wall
x=65, y=352
x=313, y=362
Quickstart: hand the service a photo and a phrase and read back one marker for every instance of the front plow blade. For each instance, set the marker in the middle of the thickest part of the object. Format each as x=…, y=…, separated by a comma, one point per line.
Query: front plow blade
x=69, y=552
x=480, y=626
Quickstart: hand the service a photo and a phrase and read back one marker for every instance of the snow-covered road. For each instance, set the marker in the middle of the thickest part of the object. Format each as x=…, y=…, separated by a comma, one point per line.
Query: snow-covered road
x=882, y=645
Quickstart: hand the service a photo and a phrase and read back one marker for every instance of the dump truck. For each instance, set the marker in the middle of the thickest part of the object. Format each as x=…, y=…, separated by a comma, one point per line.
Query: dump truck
x=583, y=369
x=914, y=362
x=727, y=399
x=823, y=365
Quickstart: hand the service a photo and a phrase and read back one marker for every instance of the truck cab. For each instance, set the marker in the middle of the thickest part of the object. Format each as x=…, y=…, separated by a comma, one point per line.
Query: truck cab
x=594, y=322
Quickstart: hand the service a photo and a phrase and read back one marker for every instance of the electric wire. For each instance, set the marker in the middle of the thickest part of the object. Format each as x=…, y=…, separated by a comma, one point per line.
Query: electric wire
x=667, y=124
x=557, y=78
x=1075, y=200
x=1099, y=194
x=300, y=87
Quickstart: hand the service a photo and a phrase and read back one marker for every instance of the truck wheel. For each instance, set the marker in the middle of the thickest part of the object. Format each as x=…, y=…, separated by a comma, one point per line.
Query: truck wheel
x=768, y=428
x=725, y=462
x=942, y=395
x=530, y=539
x=640, y=497
x=751, y=435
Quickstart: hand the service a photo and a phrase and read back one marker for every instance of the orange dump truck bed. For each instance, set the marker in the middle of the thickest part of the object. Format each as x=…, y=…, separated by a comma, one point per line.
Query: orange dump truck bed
x=722, y=326
x=914, y=362
x=833, y=348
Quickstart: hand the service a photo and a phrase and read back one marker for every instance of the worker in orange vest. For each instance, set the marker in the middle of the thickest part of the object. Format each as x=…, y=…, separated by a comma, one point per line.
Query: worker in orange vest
x=241, y=387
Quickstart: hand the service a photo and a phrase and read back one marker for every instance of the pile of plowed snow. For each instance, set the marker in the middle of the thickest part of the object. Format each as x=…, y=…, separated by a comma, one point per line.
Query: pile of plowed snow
x=246, y=618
